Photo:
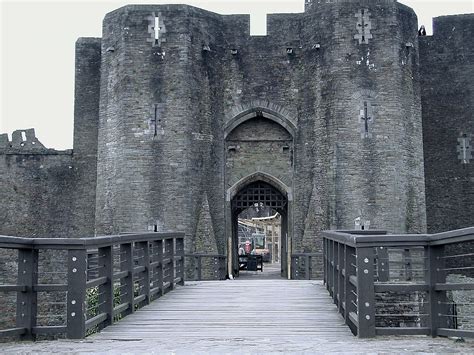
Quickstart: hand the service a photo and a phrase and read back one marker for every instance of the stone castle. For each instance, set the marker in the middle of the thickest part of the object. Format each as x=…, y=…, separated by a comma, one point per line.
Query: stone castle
x=183, y=119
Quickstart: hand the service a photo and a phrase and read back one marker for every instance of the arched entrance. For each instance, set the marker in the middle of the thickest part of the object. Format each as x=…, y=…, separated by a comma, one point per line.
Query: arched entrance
x=258, y=171
x=263, y=195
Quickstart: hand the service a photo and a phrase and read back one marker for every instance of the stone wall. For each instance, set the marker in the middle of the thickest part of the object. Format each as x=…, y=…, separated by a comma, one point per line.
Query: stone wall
x=259, y=145
x=35, y=188
x=167, y=92
x=50, y=193
x=447, y=68
x=86, y=121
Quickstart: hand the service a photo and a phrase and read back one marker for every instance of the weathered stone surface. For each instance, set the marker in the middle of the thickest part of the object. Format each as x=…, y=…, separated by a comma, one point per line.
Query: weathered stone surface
x=447, y=69
x=327, y=113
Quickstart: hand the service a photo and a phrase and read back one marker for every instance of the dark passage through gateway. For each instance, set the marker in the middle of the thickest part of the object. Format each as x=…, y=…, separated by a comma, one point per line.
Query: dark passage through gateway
x=263, y=195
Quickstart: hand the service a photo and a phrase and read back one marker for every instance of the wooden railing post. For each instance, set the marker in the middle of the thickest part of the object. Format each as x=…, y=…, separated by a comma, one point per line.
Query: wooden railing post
x=332, y=268
x=145, y=281
x=347, y=285
x=223, y=263
x=26, y=303
x=179, y=249
x=76, y=293
x=336, y=272
x=126, y=283
x=106, y=290
x=199, y=268
x=307, y=269
x=330, y=275
x=324, y=259
x=435, y=273
x=293, y=267
x=159, y=269
x=365, y=292
x=341, y=286
x=173, y=263
x=169, y=253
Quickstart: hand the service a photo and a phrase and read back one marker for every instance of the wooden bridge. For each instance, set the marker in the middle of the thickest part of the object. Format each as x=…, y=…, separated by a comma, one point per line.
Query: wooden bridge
x=379, y=285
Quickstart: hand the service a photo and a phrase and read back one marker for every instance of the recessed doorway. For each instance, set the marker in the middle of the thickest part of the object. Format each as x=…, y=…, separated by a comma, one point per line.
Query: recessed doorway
x=260, y=228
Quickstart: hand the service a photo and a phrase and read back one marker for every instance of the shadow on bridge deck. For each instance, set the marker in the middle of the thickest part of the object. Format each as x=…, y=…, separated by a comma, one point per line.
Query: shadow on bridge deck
x=243, y=315
x=270, y=272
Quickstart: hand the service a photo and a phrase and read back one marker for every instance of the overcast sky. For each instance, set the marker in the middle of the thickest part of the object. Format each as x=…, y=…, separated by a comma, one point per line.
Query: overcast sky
x=37, y=52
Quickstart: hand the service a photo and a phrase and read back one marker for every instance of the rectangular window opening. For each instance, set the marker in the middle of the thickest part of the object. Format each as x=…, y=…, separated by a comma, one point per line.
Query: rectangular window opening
x=23, y=136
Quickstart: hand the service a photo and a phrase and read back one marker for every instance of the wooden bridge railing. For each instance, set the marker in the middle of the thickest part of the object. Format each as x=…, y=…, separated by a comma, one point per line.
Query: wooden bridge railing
x=306, y=266
x=206, y=266
x=78, y=286
x=388, y=284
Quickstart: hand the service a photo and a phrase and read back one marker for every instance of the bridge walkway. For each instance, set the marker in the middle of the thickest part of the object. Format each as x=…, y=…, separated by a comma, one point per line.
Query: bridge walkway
x=239, y=310
x=249, y=315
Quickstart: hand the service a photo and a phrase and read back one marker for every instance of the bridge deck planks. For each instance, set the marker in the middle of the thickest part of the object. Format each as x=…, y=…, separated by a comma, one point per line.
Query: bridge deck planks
x=241, y=317
x=237, y=309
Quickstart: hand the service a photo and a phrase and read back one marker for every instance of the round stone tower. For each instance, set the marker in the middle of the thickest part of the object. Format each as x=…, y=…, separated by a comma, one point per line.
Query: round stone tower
x=369, y=98
x=155, y=133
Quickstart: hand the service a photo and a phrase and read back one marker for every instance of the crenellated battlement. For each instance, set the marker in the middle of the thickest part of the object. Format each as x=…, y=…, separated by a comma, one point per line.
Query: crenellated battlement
x=24, y=141
x=21, y=139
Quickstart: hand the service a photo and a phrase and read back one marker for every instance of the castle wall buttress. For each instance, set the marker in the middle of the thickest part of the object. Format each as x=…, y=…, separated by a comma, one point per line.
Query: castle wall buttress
x=86, y=122
x=447, y=69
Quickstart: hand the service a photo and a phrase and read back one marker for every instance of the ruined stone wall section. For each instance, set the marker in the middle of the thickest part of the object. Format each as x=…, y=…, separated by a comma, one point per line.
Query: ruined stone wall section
x=50, y=193
x=35, y=190
x=447, y=69
x=35, y=187
x=22, y=140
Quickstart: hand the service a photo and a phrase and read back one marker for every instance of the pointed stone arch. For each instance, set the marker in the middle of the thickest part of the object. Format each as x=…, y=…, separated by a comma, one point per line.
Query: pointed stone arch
x=259, y=176
x=271, y=112
x=285, y=210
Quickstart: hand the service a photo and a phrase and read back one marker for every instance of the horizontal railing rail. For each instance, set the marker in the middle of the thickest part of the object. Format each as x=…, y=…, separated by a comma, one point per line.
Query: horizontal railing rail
x=393, y=284
x=206, y=267
x=306, y=266
x=79, y=286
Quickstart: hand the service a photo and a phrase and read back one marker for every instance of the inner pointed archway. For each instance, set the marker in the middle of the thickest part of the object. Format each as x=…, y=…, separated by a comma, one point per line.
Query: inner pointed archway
x=264, y=196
